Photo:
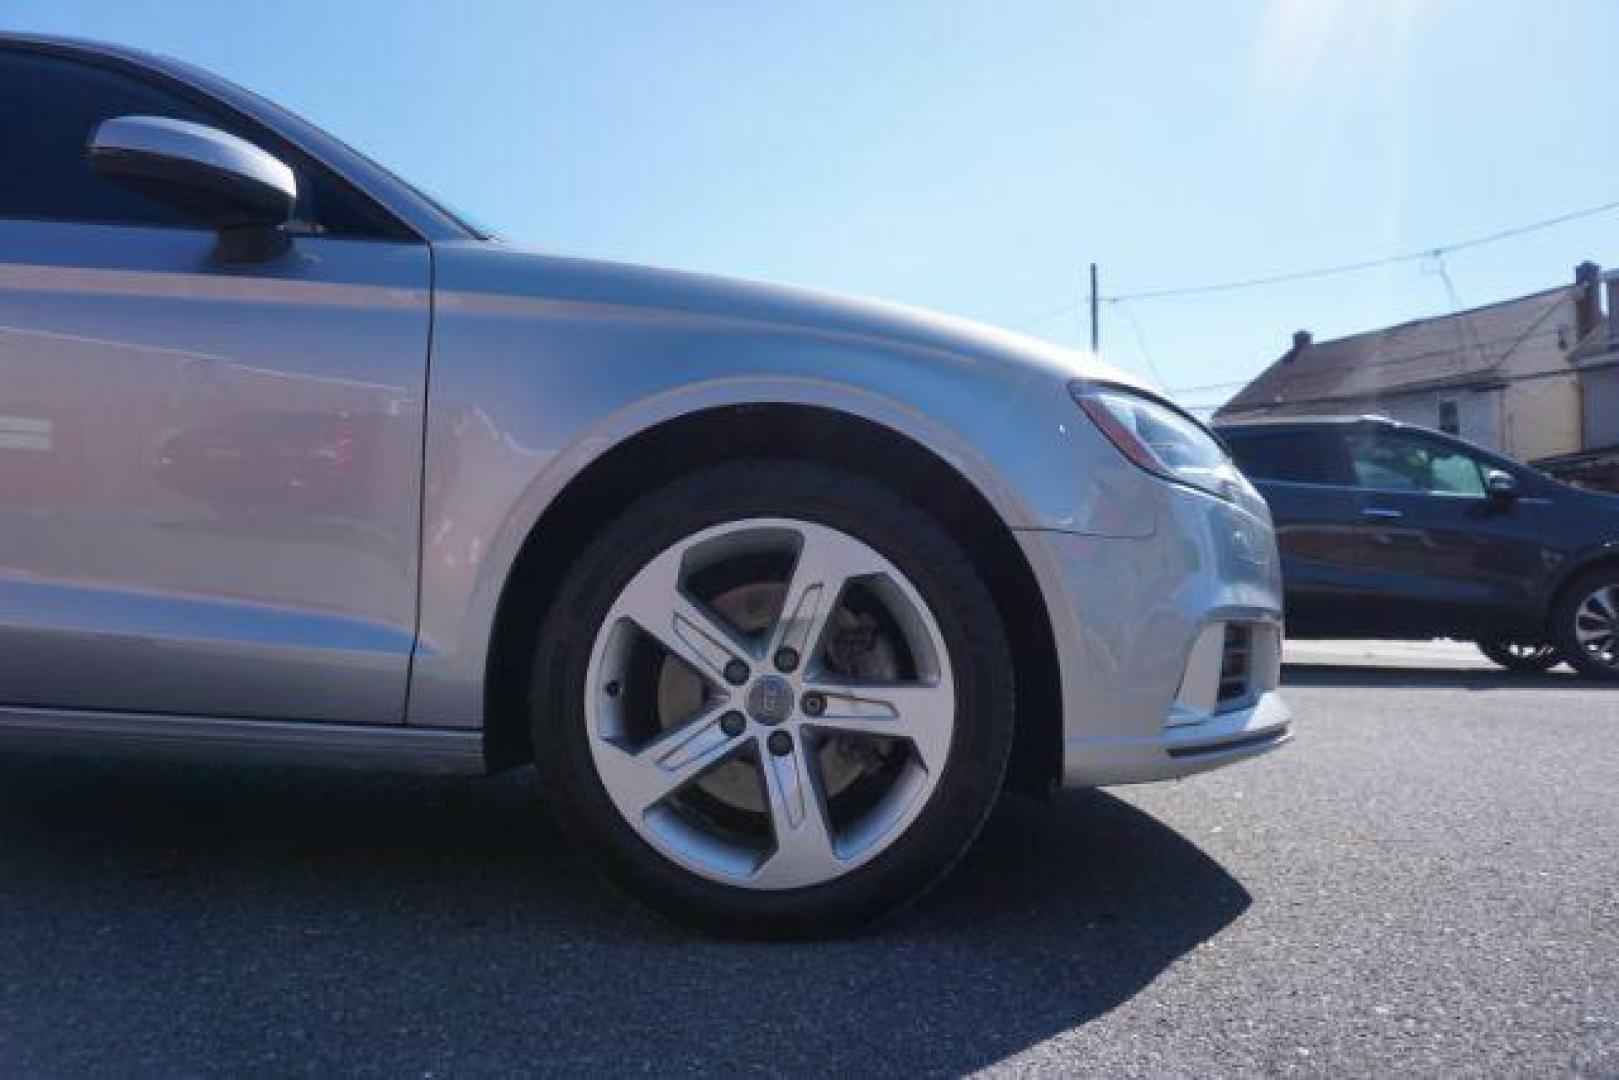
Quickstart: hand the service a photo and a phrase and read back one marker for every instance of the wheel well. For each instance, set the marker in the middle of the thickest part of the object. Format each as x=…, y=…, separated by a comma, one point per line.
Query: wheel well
x=1606, y=561
x=659, y=455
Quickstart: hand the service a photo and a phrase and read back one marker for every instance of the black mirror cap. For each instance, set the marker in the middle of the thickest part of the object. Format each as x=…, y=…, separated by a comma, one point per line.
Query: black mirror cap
x=1501, y=485
x=224, y=182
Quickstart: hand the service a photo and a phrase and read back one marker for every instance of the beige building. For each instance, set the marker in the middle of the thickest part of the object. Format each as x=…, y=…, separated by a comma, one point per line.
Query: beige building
x=1514, y=376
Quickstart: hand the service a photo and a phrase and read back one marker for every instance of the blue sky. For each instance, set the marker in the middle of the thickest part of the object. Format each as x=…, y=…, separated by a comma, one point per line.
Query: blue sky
x=974, y=157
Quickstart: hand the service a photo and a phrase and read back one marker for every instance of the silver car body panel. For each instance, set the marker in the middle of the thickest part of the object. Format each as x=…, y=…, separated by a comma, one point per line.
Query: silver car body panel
x=211, y=475
x=540, y=364
x=1130, y=615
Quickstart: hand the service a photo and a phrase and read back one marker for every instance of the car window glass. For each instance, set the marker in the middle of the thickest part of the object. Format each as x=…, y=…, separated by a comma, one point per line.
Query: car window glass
x=1299, y=457
x=52, y=106
x=1388, y=461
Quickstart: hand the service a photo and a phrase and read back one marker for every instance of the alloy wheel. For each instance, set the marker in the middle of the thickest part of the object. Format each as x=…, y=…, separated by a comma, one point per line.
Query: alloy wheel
x=769, y=703
x=1596, y=625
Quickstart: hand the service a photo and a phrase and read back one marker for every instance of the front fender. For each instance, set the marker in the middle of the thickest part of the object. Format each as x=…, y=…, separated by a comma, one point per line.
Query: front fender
x=526, y=391
x=1578, y=563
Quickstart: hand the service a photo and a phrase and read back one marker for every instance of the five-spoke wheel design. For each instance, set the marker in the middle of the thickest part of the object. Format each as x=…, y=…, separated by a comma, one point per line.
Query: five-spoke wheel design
x=769, y=702
x=773, y=698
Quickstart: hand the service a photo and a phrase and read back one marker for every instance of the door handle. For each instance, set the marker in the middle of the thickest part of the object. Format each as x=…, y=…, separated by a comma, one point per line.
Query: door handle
x=1381, y=513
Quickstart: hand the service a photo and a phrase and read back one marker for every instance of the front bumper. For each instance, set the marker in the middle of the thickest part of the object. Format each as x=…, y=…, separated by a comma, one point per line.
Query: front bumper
x=1169, y=645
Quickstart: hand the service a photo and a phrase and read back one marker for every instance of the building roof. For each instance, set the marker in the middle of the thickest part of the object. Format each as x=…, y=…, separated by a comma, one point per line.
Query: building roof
x=1467, y=348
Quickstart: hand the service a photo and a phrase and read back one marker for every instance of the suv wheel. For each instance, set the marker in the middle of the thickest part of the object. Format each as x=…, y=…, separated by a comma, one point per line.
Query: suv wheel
x=1522, y=656
x=1587, y=624
x=773, y=699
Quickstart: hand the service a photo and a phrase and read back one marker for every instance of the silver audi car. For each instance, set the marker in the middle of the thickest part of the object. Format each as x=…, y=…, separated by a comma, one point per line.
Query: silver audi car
x=779, y=591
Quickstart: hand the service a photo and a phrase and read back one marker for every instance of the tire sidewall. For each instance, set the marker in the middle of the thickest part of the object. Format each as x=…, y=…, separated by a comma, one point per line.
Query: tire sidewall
x=1496, y=652
x=955, y=596
x=1568, y=642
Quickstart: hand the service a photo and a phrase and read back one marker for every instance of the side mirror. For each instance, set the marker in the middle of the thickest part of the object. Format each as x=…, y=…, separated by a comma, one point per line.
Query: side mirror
x=1500, y=485
x=219, y=180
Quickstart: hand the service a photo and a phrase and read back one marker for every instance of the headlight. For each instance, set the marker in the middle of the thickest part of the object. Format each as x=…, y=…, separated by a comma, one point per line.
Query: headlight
x=1159, y=438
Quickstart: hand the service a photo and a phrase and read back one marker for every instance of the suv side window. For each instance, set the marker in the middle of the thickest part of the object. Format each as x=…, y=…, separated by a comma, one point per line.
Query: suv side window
x=1396, y=461
x=53, y=104
x=1295, y=457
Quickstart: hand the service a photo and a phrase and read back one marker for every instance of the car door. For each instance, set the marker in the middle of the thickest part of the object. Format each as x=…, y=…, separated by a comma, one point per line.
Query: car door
x=1440, y=555
x=209, y=472
x=1302, y=475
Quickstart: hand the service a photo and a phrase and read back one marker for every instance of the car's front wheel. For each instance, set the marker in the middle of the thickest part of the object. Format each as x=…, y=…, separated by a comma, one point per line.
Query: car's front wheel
x=773, y=699
x=1529, y=657
x=1587, y=624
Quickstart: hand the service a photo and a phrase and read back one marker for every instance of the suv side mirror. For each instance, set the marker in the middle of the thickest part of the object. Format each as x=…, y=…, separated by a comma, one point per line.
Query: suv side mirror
x=1502, y=487
x=224, y=182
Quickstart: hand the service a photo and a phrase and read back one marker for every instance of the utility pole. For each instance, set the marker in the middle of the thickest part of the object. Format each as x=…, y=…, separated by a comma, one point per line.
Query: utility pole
x=1096, y=329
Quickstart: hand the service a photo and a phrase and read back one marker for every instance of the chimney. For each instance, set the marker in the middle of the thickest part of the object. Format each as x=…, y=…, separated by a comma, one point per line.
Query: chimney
x=1301, y=341
x=1587, y=300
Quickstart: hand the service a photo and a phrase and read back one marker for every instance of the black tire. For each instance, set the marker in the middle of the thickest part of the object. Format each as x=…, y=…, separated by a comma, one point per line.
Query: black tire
x=1522, y=657
x=1565, y=617
x=956, y=597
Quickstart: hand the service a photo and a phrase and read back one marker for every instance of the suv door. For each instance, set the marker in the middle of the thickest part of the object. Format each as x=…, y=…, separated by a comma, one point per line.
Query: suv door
x=209, y=473
x=1440, y=556
x=1303, y=476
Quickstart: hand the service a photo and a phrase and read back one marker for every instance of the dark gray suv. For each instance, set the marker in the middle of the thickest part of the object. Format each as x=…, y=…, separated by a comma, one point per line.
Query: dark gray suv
x=1393, y=531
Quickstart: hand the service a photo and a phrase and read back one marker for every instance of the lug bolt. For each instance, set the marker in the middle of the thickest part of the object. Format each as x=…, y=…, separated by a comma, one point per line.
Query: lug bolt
x=732, y=723
x=786, y=659
x=814, y=704
x=612, y=688
x=780, y=743
x=736, y=673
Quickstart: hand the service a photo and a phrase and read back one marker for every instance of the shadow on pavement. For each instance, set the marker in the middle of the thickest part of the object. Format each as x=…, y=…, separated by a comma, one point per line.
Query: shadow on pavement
x=158, y=918
x=1376, y=675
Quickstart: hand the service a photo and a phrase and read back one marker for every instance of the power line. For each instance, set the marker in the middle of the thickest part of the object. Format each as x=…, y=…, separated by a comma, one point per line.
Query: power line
x=1368, y=264
x=1514, y=344
x=1333, y=270
x=1141, y=341
x=1459, y=315
x=1530, y=330
x=1572, y=370
x=1435, y=254
x=1208, y=387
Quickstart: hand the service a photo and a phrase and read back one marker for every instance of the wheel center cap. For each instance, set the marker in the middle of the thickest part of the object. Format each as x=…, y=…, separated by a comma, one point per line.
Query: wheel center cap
x=770, y=700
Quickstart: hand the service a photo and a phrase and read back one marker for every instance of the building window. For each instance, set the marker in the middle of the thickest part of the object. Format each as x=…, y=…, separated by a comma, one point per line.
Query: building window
x=1450, y=421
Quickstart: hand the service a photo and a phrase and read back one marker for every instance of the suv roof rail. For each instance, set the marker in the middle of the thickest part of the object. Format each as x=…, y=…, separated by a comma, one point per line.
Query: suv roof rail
x=1306, y=419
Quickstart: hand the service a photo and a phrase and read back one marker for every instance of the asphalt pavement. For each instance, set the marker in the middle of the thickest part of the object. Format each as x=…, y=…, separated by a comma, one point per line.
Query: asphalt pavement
x=1426, y=882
